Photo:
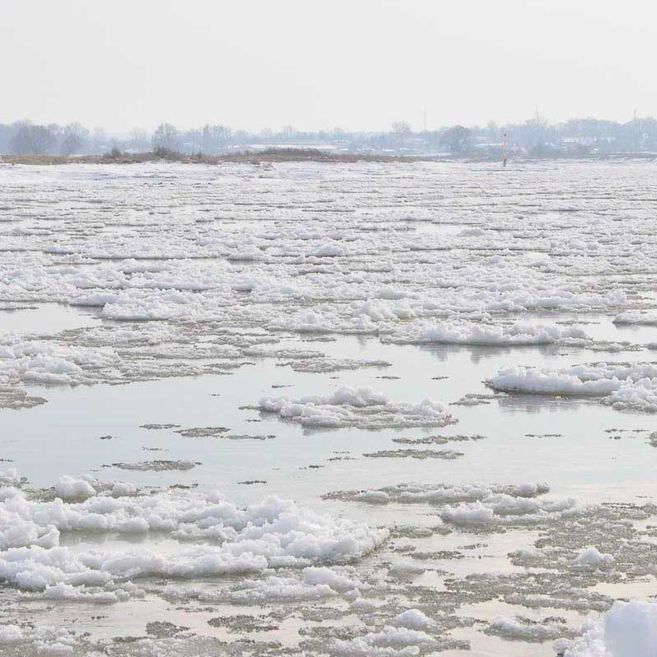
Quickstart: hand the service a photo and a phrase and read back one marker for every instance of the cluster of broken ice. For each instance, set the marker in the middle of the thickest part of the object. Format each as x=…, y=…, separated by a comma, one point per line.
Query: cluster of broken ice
x=637, y=318
x=42, y=640
x=390, y=641
x=484, y=334
x=501, y=509
x=520, y=629
x=309, y=584
x=227, y=539
x=348, y=249
x=592, y=558
x=113, y=354
x=389, y=315
x=445, y=494
x=44, y=361
x=622, y=385
x=363, y=408
x=477, y=505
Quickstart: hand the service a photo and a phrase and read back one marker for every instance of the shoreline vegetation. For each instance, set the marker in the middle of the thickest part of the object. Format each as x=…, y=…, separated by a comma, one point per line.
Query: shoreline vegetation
x=274, y=155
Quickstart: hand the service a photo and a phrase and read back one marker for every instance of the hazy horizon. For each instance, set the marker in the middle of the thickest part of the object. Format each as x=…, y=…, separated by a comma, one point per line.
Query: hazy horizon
x=316, y=66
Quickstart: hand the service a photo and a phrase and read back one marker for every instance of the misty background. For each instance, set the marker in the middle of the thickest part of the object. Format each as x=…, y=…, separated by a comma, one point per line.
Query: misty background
x=535, y=137
x=404, y=76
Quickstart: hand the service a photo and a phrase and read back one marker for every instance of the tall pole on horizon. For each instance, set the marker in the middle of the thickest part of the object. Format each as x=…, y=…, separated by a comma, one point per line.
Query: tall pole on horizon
x=505, y=143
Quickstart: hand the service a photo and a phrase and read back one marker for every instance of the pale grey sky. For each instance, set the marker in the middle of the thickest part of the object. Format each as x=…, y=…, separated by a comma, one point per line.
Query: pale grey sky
x=357, y=64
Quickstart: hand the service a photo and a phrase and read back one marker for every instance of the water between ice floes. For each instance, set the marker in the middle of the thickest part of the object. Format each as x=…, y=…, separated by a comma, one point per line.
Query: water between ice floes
x=584, y=459
x=44, y=318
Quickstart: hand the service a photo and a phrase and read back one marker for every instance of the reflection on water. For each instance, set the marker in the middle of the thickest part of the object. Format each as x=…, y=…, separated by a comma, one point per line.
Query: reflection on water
x=577, y=457
x=598, y=326
x=45, y=319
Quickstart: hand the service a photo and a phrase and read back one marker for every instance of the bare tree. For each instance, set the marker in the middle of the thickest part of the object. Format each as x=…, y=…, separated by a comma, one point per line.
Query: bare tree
x=213, y=137
x=401, y=128
x=73, y=139
x=99, y=140
x=456, y=139
x=139, y=139
x=32, y=139
x=493, y=131
x=165, y=138
x=401, y=131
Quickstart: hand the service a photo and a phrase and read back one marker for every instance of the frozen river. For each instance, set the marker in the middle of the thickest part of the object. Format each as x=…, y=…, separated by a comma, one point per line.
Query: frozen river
x=317, y=409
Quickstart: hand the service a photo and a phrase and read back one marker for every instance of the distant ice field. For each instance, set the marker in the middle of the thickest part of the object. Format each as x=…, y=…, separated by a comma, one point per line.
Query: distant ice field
x=384, y=409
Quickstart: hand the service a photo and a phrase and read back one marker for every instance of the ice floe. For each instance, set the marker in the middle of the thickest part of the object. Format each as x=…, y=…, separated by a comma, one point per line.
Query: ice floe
x=624, y=386
x=273, y=533
x=637, y=317
x=357, y=407
x=628, y=629
x=390, y=641
x=477, y=506
x=591, y=557
x=523, y=629
x=487, y=335
x=70, y=488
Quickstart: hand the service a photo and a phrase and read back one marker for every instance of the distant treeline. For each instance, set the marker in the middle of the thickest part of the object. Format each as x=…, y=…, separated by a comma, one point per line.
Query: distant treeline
x=535, y=137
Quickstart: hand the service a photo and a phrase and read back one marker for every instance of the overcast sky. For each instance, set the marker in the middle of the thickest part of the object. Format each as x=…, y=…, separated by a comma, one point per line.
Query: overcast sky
x=356, y=64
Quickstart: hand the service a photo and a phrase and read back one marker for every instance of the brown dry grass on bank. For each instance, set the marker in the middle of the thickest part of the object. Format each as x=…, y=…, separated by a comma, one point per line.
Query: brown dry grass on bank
x=252, y=157
x=292, y=155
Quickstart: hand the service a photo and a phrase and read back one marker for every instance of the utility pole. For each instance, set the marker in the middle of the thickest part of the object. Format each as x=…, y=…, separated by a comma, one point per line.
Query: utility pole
x=505, y=144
